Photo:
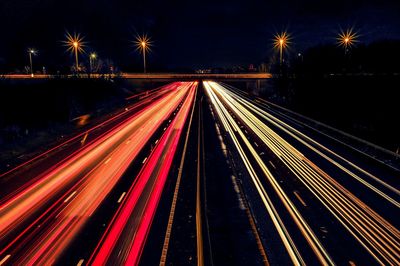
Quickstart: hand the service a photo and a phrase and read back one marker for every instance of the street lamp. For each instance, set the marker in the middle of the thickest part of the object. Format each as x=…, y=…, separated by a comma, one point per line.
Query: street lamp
x=92, y=57
x=143, y=45
x=300, y=55
x=281, y=42
x=346, y=39
x=75, y=44
x=31, y=52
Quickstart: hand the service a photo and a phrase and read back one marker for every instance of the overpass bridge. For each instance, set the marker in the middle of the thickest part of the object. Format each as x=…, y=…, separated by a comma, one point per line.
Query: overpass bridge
x=197, y=76
x=151, y=76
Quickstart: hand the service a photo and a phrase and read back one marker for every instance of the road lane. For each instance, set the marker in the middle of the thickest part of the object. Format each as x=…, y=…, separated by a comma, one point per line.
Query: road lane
x=375, y=234
x=51, y=211
x=23, y=175
x=125, y=237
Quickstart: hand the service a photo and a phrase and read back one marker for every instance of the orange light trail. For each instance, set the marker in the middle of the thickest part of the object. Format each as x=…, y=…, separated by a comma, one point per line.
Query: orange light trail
x=79, y=185
x=126, y=235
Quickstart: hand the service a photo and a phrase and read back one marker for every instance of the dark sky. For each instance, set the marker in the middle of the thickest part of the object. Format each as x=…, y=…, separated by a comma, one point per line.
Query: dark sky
x=191, y=34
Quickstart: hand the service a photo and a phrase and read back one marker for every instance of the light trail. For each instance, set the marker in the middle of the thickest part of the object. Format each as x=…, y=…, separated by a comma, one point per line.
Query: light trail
x=302, y=138
x=231, y=127
x=151, y=95
x=374, y=233
x=176, y=190
x=266, y=104
x=55, y=216
x=199, y=218
x=124, y=239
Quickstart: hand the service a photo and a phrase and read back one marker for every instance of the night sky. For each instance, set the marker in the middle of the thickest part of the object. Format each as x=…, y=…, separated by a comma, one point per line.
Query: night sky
x=186, y=34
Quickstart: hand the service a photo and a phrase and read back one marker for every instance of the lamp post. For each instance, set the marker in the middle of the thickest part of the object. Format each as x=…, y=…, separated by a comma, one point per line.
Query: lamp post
x=31, y=52
x=346, y=39
x=75, y=44
x=144, y=55
x=92, y=57
x=281, y=41
x=143, y=44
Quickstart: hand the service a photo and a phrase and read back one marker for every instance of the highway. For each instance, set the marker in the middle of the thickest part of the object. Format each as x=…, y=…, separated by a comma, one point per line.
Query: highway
x=308, y=190
x=202, y=173
x=40, y=219
x=127, y=232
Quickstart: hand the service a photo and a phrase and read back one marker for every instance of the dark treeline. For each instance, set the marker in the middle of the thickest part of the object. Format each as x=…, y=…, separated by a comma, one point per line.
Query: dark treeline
x=355, y=90
x=364, y=106
x=381, y=57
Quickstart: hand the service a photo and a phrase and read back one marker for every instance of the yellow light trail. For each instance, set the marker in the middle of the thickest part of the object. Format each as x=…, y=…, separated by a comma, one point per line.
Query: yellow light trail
x=372, y=231
x=231, y=127
x=300, y=136
x=303, y=226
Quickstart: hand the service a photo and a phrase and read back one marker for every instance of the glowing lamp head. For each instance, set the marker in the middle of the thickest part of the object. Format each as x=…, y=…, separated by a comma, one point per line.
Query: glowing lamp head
x=74, y=43
x=347, y=38
x=282, y=40
x=143, y=43
x=93, y=55
x=32, y=51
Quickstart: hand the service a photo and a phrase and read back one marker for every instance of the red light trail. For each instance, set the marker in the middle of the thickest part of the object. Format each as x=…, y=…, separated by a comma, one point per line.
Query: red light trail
x=130, y=226
x=39, y=221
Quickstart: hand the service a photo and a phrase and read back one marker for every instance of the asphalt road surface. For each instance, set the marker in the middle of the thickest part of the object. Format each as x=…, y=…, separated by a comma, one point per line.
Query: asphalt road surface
x=323, y=206
x=202, y=173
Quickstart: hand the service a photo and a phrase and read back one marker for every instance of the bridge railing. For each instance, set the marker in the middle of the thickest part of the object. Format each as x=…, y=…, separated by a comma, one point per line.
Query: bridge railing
x=147, y=76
